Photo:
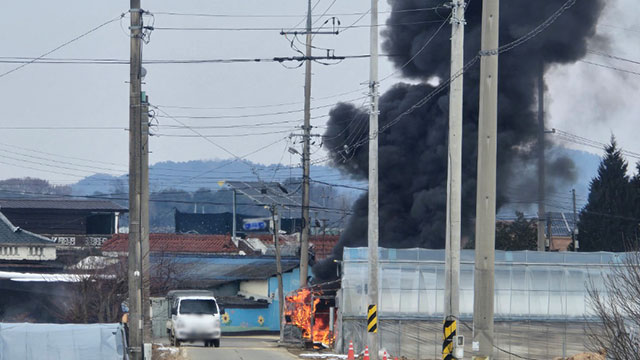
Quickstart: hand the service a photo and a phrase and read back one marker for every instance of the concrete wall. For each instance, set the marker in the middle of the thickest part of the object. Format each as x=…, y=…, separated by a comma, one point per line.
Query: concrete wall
x=13, y=252
x=238, y=320
x=255, y=287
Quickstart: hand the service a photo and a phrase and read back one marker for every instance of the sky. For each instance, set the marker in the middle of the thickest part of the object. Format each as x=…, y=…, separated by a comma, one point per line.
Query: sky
x=75, y=115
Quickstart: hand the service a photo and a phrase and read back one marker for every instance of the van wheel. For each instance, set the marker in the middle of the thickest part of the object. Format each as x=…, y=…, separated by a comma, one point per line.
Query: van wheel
x=175, y=342
x=216, y=342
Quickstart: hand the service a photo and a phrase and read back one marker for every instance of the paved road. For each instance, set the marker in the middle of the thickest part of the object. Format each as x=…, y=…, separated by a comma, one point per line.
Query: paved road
x=241, y=348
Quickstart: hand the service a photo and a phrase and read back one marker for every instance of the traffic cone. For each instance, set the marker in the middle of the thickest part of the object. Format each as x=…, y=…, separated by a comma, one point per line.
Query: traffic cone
x=350, y=354
x=366, y=353
x=384, y=355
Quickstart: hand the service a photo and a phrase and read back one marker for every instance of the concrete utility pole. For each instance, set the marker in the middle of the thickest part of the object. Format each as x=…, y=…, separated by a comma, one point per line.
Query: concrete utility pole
x=482, y=345
x=306, y=221
x=541, y=178
x=138, y=260
x=454, y=173
x=373, y=229
x=276, y=242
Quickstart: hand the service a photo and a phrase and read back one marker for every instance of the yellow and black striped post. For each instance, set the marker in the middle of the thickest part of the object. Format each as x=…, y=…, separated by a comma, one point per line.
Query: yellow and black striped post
x=449, y=333
x=372, y=319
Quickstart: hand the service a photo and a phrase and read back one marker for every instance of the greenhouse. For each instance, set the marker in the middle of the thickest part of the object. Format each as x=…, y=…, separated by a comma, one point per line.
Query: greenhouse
x=535, y=292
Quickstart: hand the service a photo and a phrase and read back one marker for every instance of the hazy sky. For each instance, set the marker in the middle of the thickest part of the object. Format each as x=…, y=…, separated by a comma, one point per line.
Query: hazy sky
x=583, y=99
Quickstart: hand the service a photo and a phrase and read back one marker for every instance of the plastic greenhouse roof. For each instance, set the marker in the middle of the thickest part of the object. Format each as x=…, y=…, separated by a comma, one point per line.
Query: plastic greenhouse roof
x=526, y=256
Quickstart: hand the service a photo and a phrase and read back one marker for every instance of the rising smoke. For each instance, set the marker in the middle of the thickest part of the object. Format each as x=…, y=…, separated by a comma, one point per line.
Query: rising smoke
x=412, y=153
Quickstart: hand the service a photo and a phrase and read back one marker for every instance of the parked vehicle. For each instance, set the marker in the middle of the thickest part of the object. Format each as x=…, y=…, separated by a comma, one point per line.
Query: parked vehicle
x=194, y=315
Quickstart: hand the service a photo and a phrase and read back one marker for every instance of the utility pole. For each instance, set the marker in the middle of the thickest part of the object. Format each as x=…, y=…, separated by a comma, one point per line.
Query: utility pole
x=483, y=300
x=306, y=221
x=138, y=260
x=276, y=242
x=575, y=221
x=372, y=225
x=541, y=161
x=454, y=173
x=233, y=222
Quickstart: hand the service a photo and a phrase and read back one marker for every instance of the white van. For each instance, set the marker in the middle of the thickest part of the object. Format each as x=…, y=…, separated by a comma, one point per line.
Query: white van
x=194, y=315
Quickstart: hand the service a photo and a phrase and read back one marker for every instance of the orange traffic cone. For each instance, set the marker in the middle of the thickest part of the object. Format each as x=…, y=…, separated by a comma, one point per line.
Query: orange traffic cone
x=366, y=353
x=350, y=354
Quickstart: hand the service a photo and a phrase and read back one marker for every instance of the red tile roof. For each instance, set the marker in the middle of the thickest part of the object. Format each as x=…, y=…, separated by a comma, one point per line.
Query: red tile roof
x=323, y=245
x=177, y=243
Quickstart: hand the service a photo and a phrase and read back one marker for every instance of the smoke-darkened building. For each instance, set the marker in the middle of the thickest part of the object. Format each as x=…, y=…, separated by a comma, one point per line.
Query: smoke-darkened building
x=84, y=222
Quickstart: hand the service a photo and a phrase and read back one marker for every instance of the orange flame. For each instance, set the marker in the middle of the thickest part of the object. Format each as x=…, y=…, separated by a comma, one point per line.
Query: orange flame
x=300, y=308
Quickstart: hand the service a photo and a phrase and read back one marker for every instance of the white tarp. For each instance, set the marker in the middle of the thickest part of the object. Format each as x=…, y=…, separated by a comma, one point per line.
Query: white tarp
x=62, y=341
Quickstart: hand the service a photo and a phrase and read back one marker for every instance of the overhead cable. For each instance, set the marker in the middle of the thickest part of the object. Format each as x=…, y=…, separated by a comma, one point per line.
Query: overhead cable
x=62, y=45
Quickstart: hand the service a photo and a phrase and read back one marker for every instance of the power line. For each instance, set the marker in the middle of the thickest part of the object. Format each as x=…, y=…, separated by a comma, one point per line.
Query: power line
x=207, y=136
x=71, y=61
x=62, y=128
x=243, y=116
x=613, y=56
x=610, y=67
x=285, y=15
x=57, y=155
x=62, y=45
x=567, y=136
x=621, y=28
x=280, y=29
x=255, y=106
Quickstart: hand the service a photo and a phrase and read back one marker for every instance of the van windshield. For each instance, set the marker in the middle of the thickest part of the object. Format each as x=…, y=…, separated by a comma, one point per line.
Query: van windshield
x=198, y=306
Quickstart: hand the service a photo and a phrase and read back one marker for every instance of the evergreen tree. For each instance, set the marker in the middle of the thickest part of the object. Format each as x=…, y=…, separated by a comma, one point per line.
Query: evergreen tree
x=607, y=221
x=635, y=194
x=520, y=234
x=517, y=235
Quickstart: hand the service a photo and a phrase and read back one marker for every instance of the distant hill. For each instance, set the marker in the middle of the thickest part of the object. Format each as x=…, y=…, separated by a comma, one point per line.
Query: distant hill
x=193, y=175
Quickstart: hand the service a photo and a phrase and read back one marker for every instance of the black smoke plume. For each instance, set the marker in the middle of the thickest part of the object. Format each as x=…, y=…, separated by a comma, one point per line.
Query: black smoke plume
x=412, y=153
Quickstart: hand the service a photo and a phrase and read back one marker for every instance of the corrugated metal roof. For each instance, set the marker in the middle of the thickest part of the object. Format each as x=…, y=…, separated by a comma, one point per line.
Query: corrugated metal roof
x=227, y=268
x=10, y=234
x=561, y=223
x=61, y=204
x=266, y=193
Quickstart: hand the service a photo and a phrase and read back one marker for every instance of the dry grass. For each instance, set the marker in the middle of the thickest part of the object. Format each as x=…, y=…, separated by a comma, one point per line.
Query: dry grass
x=585, y=356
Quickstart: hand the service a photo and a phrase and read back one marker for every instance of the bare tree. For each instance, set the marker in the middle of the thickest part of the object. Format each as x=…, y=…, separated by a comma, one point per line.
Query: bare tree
x=99, y=286
x=97, y=289
x=616, y=304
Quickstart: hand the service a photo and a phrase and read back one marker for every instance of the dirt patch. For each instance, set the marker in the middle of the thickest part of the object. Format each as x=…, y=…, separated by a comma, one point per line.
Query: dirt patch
x=162, y=352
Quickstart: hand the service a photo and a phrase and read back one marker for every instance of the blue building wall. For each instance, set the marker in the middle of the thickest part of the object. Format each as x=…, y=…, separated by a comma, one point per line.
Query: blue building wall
x=237, y=320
